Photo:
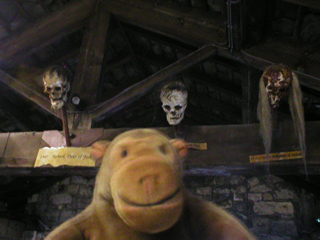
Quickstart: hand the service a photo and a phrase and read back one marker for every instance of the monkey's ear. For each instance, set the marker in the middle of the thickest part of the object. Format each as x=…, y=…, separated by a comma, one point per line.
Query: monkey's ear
x=180, y=146
x=99, y=149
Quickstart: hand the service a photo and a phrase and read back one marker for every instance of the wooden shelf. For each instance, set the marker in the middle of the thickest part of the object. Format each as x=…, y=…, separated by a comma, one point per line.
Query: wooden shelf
x=229, y=149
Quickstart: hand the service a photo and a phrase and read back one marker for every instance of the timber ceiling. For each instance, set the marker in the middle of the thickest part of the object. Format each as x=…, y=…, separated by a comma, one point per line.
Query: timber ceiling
x=122, y=52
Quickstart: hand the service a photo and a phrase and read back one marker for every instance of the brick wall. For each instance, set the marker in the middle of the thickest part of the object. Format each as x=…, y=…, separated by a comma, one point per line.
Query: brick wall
x=272, y=208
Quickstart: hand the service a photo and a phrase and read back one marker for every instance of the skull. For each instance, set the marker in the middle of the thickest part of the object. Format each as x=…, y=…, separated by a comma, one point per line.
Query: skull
x=277, y=79
x=56, y=84
x=174, y=101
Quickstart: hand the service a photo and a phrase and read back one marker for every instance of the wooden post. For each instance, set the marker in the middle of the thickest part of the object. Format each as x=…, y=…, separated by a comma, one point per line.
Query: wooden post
x=65, y=125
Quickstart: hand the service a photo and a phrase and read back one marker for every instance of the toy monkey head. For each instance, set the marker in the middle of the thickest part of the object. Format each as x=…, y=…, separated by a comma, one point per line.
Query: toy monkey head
x=141, y=176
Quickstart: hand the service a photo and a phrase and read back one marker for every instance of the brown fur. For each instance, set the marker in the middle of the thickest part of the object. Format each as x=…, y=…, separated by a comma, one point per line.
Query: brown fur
x=130, y=160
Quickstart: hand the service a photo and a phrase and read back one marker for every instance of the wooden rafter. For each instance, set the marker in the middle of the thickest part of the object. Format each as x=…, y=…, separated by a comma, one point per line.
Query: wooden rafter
x=260, y=56
x=86, y=80
x=307, y=3
x=208, y=81
x=140, y=89
x=27, y=92
x=190, y=26
x=47, y=29
x=288, y=53
x=161, y=62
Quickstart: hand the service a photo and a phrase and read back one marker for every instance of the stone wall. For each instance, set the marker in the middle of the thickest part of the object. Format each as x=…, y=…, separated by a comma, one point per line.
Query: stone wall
x=11, y=229
x=270, y=207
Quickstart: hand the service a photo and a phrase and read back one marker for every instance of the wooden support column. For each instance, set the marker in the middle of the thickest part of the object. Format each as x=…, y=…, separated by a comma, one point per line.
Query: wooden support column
x=86, y=81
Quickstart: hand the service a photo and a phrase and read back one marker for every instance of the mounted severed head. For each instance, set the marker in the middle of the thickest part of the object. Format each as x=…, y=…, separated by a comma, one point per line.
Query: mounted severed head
x=56, y=81
x=278, y=84
x=174, y=101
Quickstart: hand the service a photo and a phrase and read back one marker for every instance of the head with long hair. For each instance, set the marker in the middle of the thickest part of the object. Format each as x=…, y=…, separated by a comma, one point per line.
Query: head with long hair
x=279, y=83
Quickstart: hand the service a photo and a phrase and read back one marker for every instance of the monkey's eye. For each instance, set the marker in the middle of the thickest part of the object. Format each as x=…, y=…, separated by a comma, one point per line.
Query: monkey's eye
x=163, y=149
x=124, y=153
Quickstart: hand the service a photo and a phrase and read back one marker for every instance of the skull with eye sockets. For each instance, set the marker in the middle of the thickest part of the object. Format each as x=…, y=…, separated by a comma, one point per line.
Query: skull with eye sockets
x=174, y=101
x=56, y=83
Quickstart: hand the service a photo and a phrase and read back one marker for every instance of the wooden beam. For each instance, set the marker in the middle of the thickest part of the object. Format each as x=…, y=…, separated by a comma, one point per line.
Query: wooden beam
x=153, y=36
x=27, y=92
x=51, y=26
x=198, y=76
x=191, y=26
x=140, y=89
x=229, y=149
x=307, y=3
x=275, y=50
x=87, y=75
x=30, y=75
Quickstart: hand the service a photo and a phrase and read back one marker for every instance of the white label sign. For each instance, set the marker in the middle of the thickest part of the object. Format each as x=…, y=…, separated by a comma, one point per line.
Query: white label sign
x=70, y=156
